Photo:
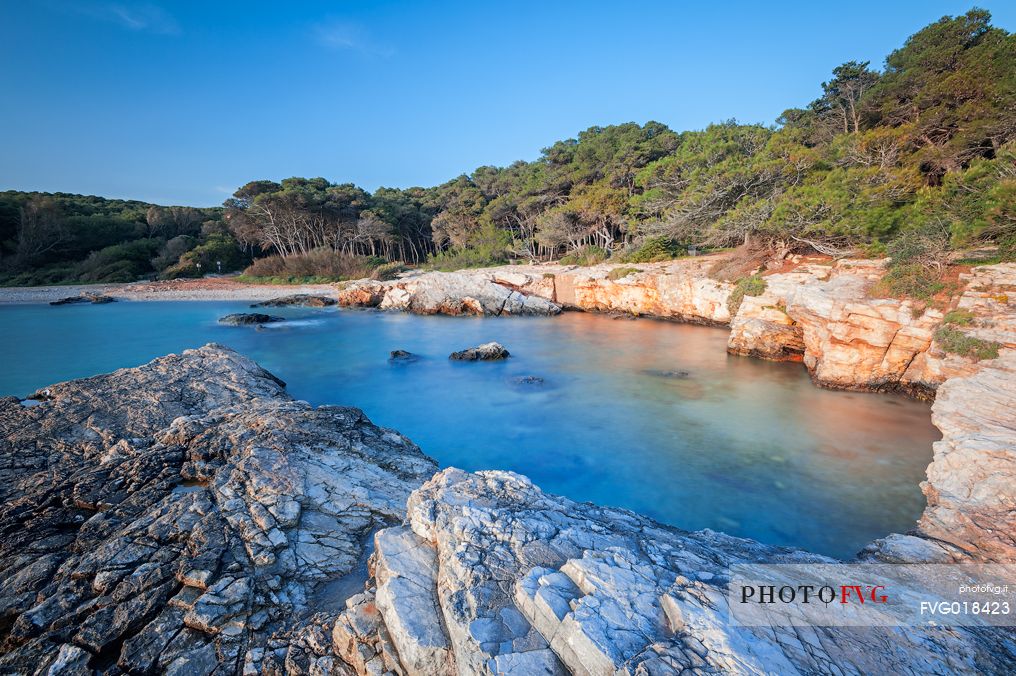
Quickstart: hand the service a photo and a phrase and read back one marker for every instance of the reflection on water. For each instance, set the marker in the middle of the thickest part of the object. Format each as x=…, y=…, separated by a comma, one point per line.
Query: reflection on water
x=651, y=416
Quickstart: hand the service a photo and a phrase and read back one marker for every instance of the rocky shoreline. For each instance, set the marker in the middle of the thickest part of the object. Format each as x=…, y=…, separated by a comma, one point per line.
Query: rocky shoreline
x=822, y=314
x=188, y=517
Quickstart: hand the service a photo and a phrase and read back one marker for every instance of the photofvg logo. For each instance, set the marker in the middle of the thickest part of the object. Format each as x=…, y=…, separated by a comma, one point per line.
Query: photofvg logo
x=866, y=595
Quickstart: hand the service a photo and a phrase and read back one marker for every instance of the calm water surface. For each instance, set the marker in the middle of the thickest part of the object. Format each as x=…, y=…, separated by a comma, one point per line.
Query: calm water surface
x=748, y=447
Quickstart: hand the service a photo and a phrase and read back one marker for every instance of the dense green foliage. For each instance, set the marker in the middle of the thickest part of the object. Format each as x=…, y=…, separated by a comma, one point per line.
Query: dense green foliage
x=914, y=159
x=60, y=238
x=927, y=143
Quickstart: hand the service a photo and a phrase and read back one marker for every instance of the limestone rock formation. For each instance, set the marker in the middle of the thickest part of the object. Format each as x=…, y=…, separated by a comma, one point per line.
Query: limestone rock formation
x=249, y=319
x=449, y=293
x=301, y=299
x=971, y=486
x=492, y=576
x=486, y=352
x=185, y=516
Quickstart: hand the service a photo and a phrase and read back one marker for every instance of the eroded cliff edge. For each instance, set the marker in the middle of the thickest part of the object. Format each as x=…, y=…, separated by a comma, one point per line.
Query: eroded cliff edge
x=188, y=516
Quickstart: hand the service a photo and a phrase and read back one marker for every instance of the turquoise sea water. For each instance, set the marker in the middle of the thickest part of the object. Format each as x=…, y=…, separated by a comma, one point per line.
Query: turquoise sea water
x=647, y=415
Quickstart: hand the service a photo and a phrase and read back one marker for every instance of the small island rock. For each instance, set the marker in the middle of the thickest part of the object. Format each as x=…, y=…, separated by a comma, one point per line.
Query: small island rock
x=486, y=352
x=402, y=356
x=248, y=319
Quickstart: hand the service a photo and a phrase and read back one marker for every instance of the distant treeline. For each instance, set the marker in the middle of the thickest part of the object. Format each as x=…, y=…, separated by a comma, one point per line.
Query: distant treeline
x=924, y=148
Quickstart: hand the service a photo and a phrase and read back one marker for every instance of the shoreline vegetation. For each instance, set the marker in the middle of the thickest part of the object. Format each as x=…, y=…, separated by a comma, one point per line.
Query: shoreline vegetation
x=913, y=160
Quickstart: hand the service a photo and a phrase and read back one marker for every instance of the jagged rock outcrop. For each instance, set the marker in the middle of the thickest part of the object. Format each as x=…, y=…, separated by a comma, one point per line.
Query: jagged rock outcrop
x=449, y=293
x=492, y=576
x=486, y=352
x=249, y=319
x=185, y=516
x=300, y=299
x=823, y=315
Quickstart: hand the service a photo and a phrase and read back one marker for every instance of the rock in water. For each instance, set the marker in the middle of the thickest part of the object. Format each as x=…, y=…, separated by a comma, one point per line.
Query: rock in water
x=173, y=517
x=302, y=299
x=93, y=298
x=401, y=356
x=249, y=319
x=486, y=352
x=527, y=380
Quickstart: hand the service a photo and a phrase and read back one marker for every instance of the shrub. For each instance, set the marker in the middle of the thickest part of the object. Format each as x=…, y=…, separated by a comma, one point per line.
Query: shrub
x=746, y=286
x=959, y=317
x=621, y=273
x=955, y=341
x=206, y=257
x=323, y=265
x=386, y=271
x=910, y=280
x=118, y=263
x=1007, y=249
x=486, y=247
x=587, y=255
x=653, y=250
x=469, y=257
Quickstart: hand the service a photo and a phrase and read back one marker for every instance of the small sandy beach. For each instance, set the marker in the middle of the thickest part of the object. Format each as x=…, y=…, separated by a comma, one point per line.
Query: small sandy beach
x=210, y=288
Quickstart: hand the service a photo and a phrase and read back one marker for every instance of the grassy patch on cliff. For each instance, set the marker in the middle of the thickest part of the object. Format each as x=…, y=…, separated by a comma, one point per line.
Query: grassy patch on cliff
x=959, y=317
x=955, y=341
x=621, y=273
x=746, y=286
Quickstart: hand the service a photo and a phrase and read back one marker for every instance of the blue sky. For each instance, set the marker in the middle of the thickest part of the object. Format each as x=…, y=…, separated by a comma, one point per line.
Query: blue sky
x=182, y=102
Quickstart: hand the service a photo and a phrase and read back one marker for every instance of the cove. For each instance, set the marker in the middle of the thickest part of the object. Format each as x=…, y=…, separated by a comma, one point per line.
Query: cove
x=646, y=415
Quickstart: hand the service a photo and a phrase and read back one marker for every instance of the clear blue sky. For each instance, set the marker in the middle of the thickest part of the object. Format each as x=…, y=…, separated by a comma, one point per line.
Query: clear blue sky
x=182, y=102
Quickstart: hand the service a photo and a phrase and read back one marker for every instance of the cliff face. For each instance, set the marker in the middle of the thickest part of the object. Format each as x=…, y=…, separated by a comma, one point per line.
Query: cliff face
x=188, y=517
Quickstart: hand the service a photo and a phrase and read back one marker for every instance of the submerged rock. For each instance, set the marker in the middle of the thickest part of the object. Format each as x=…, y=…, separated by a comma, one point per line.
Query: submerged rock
x=402, y=356
x=93, y=298
x=527, y=380
x=249, y=319
x=486, y=352
x=177, y=517
x=301, y=299
x=660, y=373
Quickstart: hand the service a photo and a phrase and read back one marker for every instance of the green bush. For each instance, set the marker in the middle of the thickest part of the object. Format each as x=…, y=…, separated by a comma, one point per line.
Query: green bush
x=587, y=255
x=387, y=271
x=205, y=258
x=486, y=247
x=621, y=273
x=910, y=280
x=118, y=263
x=955, y=341
x=653, y=250
x=746, y=286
